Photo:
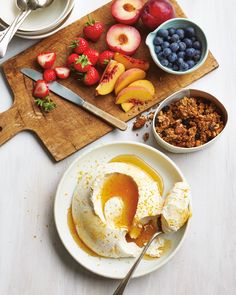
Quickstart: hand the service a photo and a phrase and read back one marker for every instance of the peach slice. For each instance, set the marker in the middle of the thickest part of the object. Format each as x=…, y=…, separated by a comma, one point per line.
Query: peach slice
x=130, y=93
x=146, y=84
x=127, y=106
x=123, y=38
x=128, y=77
x=109, y=77
x=127, y=11
x=130, y=62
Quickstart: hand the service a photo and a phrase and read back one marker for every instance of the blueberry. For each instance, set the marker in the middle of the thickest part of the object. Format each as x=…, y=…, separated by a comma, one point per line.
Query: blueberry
x=182, y=46
x=196, y=58
x=198, y=52
x=180, y=32
x=180, y=61
x=175, y=38
x=170, y=65
x=193, y=39
x=157, y=49
x=163, y=33
x=190, y=52
x=184, y=66
x=197, y=45
x=172, y=57
x=165, y=44
x=191, y=63
x=167, y=51
x=158, y=41
x=181, y=54
x=160, y=55
x=171, y=31
x=175, y=67
x=174, y=47
x=188, y=42
x=190, y=32
x=164, y=62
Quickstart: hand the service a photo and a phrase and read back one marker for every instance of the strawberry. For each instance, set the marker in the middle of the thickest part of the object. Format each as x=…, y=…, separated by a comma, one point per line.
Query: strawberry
x=82, y=64
x=93, y=30
x=46, y=59
x=40, y=89
x=92, y=55
x=49, y=75
x=79, y=45
x=72, y=59
x=91, y=77
x=62, y=72
x=105, y=57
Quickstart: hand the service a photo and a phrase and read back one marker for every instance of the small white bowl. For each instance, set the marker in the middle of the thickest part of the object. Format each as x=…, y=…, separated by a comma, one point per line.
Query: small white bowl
x=176, y=96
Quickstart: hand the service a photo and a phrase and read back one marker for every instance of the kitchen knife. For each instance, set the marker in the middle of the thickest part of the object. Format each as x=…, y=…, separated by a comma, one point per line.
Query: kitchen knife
x=68, y=94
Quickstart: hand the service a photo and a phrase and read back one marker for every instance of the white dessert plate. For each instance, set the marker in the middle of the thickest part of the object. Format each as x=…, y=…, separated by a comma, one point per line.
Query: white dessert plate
x=107, y=267
x=39, y=19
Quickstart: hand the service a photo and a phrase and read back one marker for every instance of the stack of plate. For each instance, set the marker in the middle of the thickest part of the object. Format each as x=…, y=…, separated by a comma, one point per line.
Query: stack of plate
x=40, y=23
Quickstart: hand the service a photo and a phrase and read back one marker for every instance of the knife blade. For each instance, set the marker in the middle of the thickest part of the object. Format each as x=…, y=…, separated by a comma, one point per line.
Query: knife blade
x=71, y=96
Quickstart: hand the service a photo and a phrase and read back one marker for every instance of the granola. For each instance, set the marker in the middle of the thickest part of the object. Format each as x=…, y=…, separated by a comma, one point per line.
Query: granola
x=189, y=122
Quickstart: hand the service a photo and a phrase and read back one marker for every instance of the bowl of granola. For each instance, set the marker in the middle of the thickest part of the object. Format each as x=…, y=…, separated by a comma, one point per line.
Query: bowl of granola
x=188, y=121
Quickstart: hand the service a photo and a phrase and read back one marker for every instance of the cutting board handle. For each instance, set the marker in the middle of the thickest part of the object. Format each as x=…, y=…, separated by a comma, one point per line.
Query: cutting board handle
x=11, y=123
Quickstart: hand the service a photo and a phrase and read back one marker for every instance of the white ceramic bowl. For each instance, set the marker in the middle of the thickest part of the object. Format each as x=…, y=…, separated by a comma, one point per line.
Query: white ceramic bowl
x=176, y=96
x=108, y=267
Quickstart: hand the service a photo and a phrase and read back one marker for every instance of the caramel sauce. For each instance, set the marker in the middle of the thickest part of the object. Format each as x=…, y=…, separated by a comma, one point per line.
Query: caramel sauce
x=75, y=235
x=136, y=161
x=122, y=186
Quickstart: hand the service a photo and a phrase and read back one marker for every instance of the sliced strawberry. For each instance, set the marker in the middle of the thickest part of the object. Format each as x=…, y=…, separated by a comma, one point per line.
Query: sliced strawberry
x=91, y=77
x=46, y=59
x=62, y=72
x=49, y=75
x=82, y=64
x=72, y=59
x=79, y=45
x=40, y=89
x=92, y=55
x=105, y=57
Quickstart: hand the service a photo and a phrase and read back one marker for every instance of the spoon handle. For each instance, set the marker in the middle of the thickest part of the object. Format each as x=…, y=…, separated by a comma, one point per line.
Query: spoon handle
x=120, y=289
x=11, y=31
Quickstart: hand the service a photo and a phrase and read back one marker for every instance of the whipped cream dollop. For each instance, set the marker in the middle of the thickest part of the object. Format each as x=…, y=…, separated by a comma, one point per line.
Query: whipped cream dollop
x=177, y=208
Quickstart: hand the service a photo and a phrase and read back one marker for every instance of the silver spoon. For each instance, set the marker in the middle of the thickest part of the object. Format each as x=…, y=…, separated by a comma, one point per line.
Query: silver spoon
x=120, y=289
x=25, y=11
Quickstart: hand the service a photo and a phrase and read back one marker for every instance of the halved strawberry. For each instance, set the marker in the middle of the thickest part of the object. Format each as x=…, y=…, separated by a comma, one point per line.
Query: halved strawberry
x=72, y=59
x=46, y=59
x=82, y=64
x=92, y=55
x=79, y=45
x=49, y=75
x=40, y=89
x=91, y=77
x=62, y=72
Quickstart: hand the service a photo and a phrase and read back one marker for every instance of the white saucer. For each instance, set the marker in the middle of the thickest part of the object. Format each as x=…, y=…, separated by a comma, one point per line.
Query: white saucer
x=114, y=268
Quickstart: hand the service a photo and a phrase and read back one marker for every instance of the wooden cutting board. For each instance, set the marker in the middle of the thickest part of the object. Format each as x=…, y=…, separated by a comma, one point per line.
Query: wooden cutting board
x=69, y=128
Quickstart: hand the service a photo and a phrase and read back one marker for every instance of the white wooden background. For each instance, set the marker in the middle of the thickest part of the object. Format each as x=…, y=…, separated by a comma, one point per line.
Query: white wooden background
x=32, y=258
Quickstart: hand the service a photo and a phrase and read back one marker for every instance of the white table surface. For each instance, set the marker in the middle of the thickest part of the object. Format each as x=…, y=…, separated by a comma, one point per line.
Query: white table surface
x=33, y=259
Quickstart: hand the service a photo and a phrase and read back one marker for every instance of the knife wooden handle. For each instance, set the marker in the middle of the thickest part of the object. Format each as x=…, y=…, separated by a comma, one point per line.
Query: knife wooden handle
x=105, y=116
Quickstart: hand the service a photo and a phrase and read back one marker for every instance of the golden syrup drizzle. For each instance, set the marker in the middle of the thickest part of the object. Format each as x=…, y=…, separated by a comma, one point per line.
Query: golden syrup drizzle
x=122, y=186
x=75, y=235
x=136, y=161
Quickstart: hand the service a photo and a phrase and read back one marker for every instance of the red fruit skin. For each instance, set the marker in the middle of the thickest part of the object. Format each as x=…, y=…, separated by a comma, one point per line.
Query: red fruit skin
x=40, y=89
x=79, y=45
x=93, y=31
x=91, y=77
x=49, y=75
x=62, y=72
x=79, y=68
x=92, y=55
x=156, y=12
x=48, y=64
x=104, y=58
x=72, y=59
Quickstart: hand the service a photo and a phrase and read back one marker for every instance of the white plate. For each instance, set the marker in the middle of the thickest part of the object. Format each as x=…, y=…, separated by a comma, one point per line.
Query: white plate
x=114, y=268
x=39, y=19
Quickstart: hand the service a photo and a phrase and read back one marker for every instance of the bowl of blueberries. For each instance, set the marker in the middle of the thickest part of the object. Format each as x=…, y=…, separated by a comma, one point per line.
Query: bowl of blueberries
x=178, y=46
